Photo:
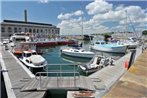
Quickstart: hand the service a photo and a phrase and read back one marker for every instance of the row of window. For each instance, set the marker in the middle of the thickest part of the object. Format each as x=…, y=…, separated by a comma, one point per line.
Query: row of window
x=28, y=30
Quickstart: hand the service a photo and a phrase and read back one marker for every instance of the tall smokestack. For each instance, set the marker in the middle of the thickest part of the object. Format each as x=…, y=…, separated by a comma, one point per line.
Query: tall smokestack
x=25, y=15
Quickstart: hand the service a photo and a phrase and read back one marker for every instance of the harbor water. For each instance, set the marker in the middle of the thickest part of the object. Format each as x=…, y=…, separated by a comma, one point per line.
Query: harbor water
x=54, y=58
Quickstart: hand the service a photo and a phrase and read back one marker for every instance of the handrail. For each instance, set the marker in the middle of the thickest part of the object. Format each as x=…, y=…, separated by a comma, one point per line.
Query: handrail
x=58, y=72
x=40, y=79
x=60, y=65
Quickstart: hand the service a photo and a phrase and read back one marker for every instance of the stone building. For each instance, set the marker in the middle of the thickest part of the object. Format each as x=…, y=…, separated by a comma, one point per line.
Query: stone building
x=8, y=27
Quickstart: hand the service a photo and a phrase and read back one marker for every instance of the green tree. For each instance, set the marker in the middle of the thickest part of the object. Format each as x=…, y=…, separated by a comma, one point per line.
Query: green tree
x=144, y=32
x=106, y=37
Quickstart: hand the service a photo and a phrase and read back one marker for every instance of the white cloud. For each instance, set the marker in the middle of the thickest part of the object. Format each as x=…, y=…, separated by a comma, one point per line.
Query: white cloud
x=43, y=1
x=120, y=7
x=102, y=12
x=98, y=6
x=78, y=13
x=66, y=16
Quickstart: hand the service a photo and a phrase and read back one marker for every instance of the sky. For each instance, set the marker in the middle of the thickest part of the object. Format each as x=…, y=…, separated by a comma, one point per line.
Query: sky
x=95, y=16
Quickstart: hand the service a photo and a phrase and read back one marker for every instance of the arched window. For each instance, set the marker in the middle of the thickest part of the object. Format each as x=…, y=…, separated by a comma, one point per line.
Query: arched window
x=9, y=29
x=52, y=31
x=48, y=30
x=41, y=30
x=37, y=30
x=30, y=30
x=26, y=30
x=15, y=30
x=19, y=30
x=34, y=30
x=3, y=29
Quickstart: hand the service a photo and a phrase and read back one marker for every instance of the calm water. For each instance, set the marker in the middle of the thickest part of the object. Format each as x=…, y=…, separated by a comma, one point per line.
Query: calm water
x=53, y=56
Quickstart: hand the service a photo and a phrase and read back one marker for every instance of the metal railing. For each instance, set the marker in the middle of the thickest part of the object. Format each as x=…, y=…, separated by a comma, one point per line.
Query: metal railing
x=58, y=73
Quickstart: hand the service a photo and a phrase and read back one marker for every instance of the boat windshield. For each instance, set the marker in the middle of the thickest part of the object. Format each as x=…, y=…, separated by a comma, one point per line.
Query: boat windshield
x=34, y=53
x=20, y=39
x=28, y=55
x=97, y=43
x=102, y=43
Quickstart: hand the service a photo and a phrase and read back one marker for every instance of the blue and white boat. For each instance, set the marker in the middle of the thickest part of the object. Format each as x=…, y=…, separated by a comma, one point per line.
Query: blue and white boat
x=108, y=47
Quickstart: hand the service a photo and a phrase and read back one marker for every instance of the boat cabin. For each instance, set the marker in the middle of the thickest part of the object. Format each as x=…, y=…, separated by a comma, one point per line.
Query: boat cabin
x=100, y=42
x=29, y=53
x=20, y=37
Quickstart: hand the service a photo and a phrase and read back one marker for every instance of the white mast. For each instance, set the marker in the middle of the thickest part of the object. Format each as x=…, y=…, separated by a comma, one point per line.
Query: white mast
x=126, y=22
x=82, y=22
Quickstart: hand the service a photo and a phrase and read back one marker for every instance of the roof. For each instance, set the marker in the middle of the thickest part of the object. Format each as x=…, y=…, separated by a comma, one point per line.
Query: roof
x=23, y=22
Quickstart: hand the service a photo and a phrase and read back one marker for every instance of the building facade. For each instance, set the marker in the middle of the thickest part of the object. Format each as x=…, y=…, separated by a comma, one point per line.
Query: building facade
x=9, y=27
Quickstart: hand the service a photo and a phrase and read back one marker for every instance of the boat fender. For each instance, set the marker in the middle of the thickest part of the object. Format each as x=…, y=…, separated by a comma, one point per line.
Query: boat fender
x=126, y=64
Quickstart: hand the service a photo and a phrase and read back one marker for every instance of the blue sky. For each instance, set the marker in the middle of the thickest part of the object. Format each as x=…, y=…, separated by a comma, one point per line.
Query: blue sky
x=101, y=16
x=39, y=12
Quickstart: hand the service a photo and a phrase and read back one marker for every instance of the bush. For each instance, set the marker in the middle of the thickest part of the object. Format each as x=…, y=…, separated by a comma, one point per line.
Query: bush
x=144, y=32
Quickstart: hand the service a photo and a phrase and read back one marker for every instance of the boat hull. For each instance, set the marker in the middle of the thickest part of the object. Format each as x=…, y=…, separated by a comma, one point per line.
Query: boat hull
x=42, y=44
x=74, y=54
x=121, y=49
x=88, y=71
x=31, y=65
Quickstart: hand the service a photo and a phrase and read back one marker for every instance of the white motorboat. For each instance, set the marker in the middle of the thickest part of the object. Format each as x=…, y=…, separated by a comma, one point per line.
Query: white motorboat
x=77, y=52
x=20, y=37
x=110, y=47
x=96, y=63
x=31, y=59
x=130, y=43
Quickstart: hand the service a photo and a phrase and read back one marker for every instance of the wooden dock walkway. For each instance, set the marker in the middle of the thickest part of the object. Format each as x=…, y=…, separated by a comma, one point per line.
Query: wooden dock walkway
x=16, y=77
x=134, y=83
x=66, y=83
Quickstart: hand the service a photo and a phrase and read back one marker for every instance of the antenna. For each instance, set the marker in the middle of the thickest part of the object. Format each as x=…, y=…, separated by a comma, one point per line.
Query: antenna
x=82, y=21
x=127, y=17
x=126, y=21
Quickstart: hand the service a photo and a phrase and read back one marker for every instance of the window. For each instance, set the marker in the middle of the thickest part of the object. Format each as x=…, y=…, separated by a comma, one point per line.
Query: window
x=27, y=61
x=45, y=30
x=3, y=29
x=34, y=30
x=9, y=29
x=19, y=30
x=37, y=30
x=41, y=30
x=48, y=30
x=52, y=31
x=97, y=43
x=30, y=30
x=26, y=30
x=102, y=43
x=15, y=30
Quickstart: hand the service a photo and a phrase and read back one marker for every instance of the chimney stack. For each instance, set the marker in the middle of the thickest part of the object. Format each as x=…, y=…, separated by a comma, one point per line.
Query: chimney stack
x=25, y=15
